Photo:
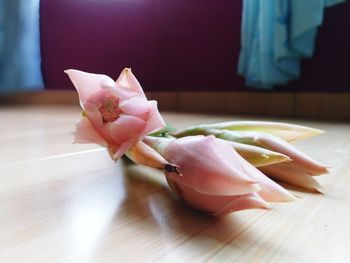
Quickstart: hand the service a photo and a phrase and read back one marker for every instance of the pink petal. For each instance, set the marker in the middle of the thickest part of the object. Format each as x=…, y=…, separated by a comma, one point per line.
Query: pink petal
x=97, y=98
x=143, y=154
x=124, y=93
x=290, y=173
x=299, y=158
x=96, y=120
x=155, y=121
x=87, y=83
x=270, y=191
x=85, y=133
x=122, y=149
x=127, y=128
x=93, y=114
x=136, y=105
x=215, y=204
x=243, y=202
x=129, y=81
x=207, y=167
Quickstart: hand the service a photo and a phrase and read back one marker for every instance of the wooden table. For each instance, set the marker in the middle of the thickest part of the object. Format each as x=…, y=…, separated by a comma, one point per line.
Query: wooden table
x=64, y=202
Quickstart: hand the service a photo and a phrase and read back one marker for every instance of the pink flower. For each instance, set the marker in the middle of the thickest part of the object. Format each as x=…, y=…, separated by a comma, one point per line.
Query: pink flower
x=299, y=171
x=300, y=159
x=293, y=174
x=214, y=177
x=116, y=114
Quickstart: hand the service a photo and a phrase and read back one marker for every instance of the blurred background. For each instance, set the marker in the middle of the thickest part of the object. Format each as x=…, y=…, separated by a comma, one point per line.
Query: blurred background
x=280, y=58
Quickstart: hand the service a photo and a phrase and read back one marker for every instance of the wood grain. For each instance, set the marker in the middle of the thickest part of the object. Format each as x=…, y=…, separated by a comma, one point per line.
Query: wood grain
x=64, y=202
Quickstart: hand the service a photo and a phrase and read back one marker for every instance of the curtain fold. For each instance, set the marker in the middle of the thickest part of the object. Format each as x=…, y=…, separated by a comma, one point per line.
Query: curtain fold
x=275, y=36
x=20, y=64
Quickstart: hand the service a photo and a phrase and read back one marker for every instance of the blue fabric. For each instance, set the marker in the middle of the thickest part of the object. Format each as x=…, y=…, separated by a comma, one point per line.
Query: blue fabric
x=20, y=66
x=275, y=35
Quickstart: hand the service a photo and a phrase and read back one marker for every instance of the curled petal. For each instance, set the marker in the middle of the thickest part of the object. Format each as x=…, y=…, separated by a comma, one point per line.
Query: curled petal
x=116, y=153
x=258, y=156
x=124, y=93
x=298, y=157
x=217, y=205
x=93, y=114
x=143, y=154
x=87, y=83
x=86, y=133
x=127, y=128
x=136, y=105
x=243, y=202
x=97, y=98
x=128, y=81
x=208, y=167
x=96, y=120
x=292, y=174
x=270, y=191
x=155, y=120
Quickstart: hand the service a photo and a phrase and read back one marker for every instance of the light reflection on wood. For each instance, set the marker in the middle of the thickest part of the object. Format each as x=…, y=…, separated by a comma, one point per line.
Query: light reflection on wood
x=61, y=202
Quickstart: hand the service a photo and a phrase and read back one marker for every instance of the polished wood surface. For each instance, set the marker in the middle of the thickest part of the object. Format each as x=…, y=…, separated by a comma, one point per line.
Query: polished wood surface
x=64, y=202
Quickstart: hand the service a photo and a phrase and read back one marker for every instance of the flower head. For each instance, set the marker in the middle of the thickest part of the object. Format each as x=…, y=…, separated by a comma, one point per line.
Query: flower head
x=213, y=177
x=116, y=114
x=297, y=169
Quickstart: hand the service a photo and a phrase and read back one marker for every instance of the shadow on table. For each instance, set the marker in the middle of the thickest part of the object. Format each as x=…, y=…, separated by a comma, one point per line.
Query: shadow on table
x=152, y=209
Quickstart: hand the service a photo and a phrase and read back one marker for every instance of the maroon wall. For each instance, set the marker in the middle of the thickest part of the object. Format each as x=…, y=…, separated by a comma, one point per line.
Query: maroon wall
x=173, y=44
x=329, y=68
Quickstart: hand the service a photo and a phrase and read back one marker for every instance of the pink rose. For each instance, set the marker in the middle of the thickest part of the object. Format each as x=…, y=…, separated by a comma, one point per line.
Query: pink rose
x=116, y=114
x=213, y=177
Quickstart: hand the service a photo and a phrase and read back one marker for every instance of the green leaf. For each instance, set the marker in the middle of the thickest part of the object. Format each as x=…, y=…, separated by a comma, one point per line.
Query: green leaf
x=165, y=132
